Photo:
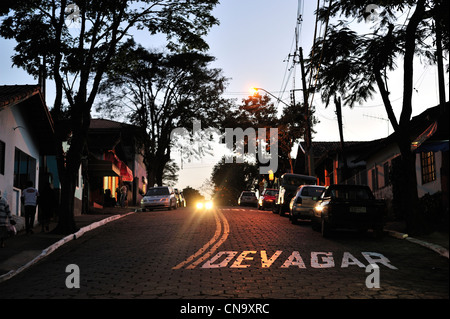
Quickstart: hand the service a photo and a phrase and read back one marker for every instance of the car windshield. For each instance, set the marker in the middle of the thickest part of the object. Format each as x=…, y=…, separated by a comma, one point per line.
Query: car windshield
x=312, y=191
x=157, y=191
x=351, y=194
x=248, y=194
x=271, y=192
x=292, y=180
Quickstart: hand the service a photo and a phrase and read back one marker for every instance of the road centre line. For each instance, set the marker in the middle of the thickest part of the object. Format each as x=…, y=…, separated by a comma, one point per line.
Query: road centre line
x=207, y=255
x=218, y=239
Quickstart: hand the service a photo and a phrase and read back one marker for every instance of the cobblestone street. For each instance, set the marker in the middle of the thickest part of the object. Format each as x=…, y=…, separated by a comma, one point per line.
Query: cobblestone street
x=230, y=253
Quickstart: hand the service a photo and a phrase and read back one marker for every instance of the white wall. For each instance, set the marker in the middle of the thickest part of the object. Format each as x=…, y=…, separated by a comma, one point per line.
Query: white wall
x=431, y=187
x=14, y=133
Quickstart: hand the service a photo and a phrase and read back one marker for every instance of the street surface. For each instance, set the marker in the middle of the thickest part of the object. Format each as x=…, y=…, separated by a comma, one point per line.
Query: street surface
x=230, y=252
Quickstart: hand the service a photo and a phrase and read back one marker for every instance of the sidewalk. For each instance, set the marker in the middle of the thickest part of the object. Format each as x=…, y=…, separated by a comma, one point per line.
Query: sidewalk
x=437, y=241
x=22, y=250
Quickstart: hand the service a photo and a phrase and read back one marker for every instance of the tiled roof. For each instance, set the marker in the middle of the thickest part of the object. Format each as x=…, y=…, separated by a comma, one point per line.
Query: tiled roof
x=105, y=124
x=13, y=94
x=28, y=100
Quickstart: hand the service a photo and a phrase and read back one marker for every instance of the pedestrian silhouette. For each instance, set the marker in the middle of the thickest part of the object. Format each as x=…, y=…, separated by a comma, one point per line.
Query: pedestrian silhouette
x=30, y=196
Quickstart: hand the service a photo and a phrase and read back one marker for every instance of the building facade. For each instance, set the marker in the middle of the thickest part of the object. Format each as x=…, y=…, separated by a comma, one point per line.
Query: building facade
x=26, y=142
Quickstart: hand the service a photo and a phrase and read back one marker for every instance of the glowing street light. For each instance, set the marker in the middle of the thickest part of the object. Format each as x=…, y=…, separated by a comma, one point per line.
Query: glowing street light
x=255, y=90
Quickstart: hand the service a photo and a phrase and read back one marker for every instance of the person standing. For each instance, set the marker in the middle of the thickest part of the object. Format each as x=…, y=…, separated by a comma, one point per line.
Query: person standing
x=5, y=214
x=123, y=195
x=30, y=196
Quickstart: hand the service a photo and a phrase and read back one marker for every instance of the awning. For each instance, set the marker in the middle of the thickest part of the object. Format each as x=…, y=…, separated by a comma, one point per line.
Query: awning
x=430, y=130
x=433, y=146
x=102, y=168
x=125, y=172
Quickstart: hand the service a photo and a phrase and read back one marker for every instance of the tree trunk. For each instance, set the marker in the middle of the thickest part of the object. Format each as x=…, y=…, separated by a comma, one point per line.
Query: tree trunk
x=415, y=221
x=69, y=166
x=414, y=218
x=66, y=221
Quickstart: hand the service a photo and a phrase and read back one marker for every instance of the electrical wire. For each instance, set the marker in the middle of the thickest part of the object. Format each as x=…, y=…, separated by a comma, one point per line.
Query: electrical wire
x=291, y=70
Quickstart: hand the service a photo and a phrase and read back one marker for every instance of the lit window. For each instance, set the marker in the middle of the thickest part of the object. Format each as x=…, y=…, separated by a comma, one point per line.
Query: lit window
x=428, y=167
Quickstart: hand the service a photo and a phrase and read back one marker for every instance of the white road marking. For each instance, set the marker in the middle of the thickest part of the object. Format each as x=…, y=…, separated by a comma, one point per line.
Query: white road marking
x=244, y=260
x=317, y=260
x=210, y=247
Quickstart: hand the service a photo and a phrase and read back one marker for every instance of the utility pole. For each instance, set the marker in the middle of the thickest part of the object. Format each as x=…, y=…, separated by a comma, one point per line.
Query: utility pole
x=337, y=102
x=308, y=150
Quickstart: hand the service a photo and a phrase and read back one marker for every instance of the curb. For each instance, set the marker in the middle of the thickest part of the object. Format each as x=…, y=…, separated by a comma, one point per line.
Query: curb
x=437, y=248
x=47, y=251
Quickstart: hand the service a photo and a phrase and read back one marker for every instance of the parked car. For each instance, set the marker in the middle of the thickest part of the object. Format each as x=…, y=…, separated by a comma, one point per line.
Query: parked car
x=267, y=198
x=182, y=200
x=159, y=197
x=248, y=198
x=302, y=204
x=287, y=188
x=349, y=207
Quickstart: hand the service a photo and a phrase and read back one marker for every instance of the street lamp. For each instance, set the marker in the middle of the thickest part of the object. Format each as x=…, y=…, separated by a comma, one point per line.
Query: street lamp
x=255, y=90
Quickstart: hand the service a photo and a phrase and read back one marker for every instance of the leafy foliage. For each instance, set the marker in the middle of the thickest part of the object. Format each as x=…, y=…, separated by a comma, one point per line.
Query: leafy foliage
x=357, y=65
x=230, y=179
x=78, y=56
x=159, y=92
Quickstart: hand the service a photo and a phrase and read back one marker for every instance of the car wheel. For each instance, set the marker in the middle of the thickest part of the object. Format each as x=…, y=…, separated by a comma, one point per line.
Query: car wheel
x=315, y=225
x=325, y=229
x=293, y=220
x=143, y=209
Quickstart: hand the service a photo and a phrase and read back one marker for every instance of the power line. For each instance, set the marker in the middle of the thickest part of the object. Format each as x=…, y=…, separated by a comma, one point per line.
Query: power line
x=295, y=55
x=380, y=118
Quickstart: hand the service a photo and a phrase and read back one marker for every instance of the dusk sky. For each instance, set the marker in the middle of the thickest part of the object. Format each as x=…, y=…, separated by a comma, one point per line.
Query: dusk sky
x=251, y=46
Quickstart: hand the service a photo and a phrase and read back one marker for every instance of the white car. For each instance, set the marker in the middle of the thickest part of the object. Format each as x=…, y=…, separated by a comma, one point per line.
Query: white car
x=302, y=204
x=248, y=198
x=159, y=197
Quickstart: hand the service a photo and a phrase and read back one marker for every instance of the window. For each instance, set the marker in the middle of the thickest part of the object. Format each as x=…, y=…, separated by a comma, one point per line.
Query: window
x=2, y=157
x=24, y=169
x=428, y=167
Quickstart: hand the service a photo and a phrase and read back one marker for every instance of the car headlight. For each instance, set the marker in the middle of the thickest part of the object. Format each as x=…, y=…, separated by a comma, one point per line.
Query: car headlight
x=208, y=205
x=199, y=205
x=318, y=208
